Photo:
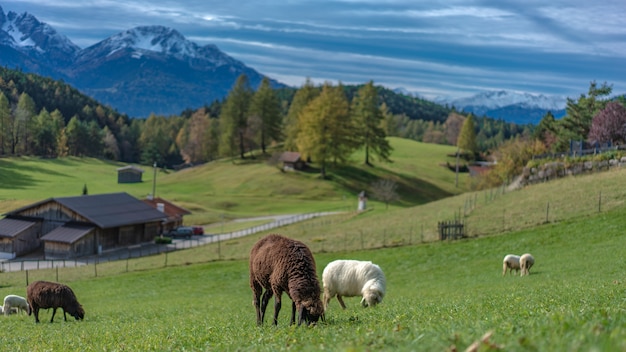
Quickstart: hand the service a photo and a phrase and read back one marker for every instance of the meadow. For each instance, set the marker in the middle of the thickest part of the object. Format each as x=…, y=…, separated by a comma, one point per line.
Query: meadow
x=441, y=296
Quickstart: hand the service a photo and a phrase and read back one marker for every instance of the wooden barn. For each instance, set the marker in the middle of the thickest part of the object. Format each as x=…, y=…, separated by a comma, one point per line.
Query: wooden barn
x=173, y=212
x=18, y=237
x=84, y=225
x=292, y=161
x=129, y=174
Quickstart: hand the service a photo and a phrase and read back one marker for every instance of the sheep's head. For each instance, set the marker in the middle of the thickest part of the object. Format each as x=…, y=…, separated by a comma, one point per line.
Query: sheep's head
x=78, y=313
x=371, y=297
x=311, y=311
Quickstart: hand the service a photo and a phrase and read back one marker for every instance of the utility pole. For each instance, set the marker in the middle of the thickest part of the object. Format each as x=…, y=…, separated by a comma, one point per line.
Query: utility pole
x=154, y=181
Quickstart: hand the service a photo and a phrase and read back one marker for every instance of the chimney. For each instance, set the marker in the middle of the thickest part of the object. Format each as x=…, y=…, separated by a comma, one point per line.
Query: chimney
x=161, y=207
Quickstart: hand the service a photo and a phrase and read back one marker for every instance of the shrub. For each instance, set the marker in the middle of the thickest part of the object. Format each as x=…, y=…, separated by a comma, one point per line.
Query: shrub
x=162, y=240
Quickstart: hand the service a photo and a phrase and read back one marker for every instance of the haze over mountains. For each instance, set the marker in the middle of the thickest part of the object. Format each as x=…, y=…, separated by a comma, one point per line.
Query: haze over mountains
x=154, y=69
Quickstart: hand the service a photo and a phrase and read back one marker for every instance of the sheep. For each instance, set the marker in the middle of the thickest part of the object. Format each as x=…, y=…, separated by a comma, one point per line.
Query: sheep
x=510, y=262
x=279, y=264
x=350, y=278
x=526, y=261
x=14, y=303
x=45, y=294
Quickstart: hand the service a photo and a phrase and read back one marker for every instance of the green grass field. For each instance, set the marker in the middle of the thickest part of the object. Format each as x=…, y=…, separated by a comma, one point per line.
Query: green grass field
x=441, y=296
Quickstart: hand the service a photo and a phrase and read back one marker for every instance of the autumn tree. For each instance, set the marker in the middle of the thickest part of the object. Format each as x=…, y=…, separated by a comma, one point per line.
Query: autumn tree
x=546, y=130
x=326, y=132
x=467, y=137
x=511, y=158
x=453, y=126
x=301, y=99
x=45, y=135
x=266, y=106
x=609, y=125
x=367, y=119
x=385, y=190
x=234, y=118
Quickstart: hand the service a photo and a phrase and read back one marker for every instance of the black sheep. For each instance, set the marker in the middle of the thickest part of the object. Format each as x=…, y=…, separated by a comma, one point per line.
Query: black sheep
x=44, y=294
x=279, y=264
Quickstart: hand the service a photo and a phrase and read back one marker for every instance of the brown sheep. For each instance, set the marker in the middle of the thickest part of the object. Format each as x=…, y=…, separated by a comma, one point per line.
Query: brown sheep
x=279, y=264
x=44, y=294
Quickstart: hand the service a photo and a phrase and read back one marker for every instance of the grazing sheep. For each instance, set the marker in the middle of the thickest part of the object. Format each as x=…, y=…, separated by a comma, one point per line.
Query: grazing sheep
x=350, y=278
x=279, y=264
x=526, y=261
x=44, y=294
x=510, y=262
x=14, y=303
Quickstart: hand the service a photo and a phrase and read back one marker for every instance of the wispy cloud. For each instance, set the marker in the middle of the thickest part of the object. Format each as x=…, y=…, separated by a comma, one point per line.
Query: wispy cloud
x=439, y=47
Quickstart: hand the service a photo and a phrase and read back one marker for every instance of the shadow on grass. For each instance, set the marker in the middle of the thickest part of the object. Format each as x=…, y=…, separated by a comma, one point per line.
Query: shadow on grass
x=14, y=175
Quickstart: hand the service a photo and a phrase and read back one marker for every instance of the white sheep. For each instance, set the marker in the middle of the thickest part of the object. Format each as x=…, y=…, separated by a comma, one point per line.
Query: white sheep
x=14, y=302
x=352, y=278
x=510, y=262
x=526, y=261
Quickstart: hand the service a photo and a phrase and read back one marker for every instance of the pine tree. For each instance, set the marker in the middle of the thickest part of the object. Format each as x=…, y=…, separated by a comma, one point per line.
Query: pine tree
x=368, y=117
x=5, y=124
x=266, y=106
x=23, y=125
x=234, y=118
x=301, y=99
x=467, y=137
x=326, y=132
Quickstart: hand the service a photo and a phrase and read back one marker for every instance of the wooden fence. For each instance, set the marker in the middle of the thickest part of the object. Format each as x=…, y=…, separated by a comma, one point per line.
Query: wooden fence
x=451, y=230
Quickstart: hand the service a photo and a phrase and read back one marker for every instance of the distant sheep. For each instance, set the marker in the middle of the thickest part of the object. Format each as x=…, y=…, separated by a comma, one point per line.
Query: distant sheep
x=526, y=261
x=350, y=278
x=14, y=303
x=44, y=294
x=279, y=264
x=510, y=262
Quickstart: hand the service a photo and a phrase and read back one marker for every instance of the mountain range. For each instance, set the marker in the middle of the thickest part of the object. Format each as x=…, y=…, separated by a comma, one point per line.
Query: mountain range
x=521, y=108
x=143, y=70
x=154, y=69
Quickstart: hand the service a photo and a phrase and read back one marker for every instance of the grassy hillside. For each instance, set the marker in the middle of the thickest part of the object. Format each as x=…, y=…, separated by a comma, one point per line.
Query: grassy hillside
x=237, y=189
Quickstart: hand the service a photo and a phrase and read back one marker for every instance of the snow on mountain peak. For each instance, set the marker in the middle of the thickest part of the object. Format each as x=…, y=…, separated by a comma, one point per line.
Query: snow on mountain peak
x=502, y=98
x=26, y=31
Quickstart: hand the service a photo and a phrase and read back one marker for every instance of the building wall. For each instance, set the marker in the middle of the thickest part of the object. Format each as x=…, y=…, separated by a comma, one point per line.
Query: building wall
x=128, y=176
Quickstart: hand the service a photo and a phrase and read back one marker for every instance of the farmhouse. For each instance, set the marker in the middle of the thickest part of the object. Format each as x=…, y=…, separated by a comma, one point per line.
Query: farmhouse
x=129, y=174
x=174, y=214
x=76, y=226
x=292, y=161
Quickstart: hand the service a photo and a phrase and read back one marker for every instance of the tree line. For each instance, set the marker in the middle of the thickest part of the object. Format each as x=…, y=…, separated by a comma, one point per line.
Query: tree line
x=325, y=123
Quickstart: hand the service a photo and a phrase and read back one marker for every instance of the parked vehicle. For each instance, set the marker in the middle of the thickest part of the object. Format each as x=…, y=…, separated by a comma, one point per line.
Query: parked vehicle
x=180, y=232
x=198, y=230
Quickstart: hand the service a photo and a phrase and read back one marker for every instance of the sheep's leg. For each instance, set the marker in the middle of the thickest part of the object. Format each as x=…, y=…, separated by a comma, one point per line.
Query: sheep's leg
x=36, y=312
x=293, y=314
x=54, y=310
x=341, y=302
x=64, y=316
x=277, y=305
x=7, y=309
x=256, y=301
x=266, y=299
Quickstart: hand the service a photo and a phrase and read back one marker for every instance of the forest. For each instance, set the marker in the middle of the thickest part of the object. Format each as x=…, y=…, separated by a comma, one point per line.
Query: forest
x=325, y=123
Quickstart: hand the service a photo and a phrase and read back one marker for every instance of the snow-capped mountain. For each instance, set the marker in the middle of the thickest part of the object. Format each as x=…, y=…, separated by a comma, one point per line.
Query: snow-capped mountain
x=515, y=107
x=143, y=70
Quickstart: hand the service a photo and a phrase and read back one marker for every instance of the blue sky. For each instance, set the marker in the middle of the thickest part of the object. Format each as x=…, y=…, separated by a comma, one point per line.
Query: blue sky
x=434, y=48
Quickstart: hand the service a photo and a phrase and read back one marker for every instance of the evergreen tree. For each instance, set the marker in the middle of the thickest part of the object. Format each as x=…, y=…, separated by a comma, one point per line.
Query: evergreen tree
x=23, y=125
x=575, y=125
x=326, y=132
x=234, y=118
x=467, y=137
x=5, y=124
x=368, y=119
x=301, y=99
x=77, y=137
x=45, y=136
x=266, y=106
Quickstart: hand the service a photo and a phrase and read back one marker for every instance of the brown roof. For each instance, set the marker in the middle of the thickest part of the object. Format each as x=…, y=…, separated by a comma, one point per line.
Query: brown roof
x=170, y=209
x=67, y=233
x=13, y=227
x=290, y=157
